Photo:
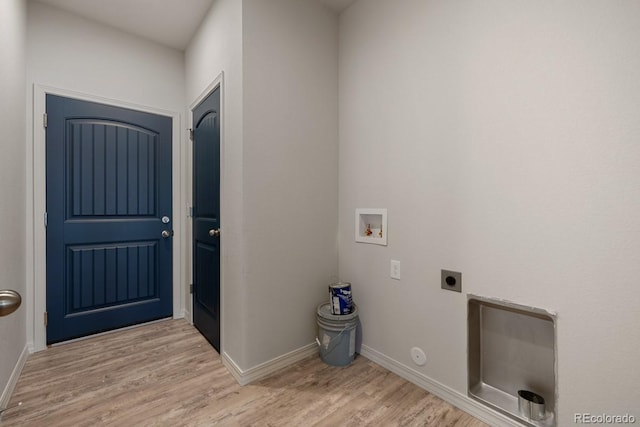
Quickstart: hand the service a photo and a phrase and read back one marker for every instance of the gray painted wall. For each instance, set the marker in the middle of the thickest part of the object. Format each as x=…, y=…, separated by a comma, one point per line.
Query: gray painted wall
x=12, y=180
x=279, y=184
x=503, y=138
x=290, y=165
x=217, y=47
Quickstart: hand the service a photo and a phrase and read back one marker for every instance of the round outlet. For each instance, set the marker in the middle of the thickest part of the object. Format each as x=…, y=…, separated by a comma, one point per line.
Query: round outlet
x=418, y=356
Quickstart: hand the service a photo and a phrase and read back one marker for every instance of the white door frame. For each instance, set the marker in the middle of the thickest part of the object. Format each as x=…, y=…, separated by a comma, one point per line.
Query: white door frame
x=36, y=205
x=217, y=82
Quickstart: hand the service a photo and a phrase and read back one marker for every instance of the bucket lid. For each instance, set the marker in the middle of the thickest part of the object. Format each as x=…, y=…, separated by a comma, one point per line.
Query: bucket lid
x=324, y=311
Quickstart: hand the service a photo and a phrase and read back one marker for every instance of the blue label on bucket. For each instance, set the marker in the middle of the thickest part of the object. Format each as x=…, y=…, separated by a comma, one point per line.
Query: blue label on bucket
x=340, y=298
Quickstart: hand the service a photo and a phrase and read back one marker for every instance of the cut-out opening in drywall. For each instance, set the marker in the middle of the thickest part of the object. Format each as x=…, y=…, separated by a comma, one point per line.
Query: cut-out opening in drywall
x=371, y=226
x=511, y=347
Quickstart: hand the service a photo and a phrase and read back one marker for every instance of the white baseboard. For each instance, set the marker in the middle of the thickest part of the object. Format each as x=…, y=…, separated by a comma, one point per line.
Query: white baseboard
x=244, y=377
x=13, y=379
x=186, y=314
x=485, y=414
x=447, y=394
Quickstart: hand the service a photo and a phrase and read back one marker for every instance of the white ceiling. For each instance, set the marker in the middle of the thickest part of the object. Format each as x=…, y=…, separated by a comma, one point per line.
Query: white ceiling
x=169, y=22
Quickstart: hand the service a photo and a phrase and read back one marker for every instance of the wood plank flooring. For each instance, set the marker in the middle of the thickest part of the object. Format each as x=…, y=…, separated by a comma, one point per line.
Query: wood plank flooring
x=166, y=374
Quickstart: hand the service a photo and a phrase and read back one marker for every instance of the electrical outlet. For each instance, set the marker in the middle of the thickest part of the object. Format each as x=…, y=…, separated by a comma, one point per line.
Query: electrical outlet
x=395, y=269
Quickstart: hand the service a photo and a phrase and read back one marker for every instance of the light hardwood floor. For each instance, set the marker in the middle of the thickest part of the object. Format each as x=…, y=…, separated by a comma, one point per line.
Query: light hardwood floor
x=166, y=374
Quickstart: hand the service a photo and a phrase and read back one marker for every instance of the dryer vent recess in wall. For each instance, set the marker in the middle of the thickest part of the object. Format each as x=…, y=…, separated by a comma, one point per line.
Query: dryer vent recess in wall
x=451, y=280
x=524, y=387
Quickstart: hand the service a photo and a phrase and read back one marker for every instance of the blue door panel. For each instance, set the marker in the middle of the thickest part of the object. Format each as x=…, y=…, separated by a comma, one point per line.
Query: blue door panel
x=108, y=275
x=108, y=186
x=112, y=169
x=208, y=265
x=206, y=196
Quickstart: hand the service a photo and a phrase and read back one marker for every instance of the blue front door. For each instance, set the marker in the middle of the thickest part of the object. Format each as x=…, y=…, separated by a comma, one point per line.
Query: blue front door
x=109, y=264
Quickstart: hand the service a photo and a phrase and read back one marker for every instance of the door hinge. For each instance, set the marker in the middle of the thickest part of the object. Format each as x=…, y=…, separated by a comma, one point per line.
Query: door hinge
x=46, y=318
x=191, y=288
x=190, y=134
x=191, y=211
x=44, y=120
x=46, y=219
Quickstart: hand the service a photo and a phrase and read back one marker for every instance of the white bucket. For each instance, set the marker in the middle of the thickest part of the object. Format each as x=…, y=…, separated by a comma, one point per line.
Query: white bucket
x=336, y=335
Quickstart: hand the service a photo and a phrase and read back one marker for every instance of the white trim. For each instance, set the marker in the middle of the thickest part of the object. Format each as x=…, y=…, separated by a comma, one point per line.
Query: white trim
x=447, y=394
x=218, y=81
x=188, y=315
x=188, y=179
x=13, y=379
x=244, y=377
x=36, y=205
x=232, y=367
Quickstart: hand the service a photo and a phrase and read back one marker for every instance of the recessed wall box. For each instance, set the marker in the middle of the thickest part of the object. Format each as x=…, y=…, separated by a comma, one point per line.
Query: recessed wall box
x=451, y=280
x=512, y=349
x=371, y=226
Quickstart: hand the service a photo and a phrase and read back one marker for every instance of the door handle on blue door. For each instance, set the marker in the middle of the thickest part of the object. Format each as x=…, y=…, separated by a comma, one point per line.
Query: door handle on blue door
x=214, y=232
x=166, y=233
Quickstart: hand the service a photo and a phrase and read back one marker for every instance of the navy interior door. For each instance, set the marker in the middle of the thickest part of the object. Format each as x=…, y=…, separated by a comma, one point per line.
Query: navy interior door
x=108, y=188
x=206, y=218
